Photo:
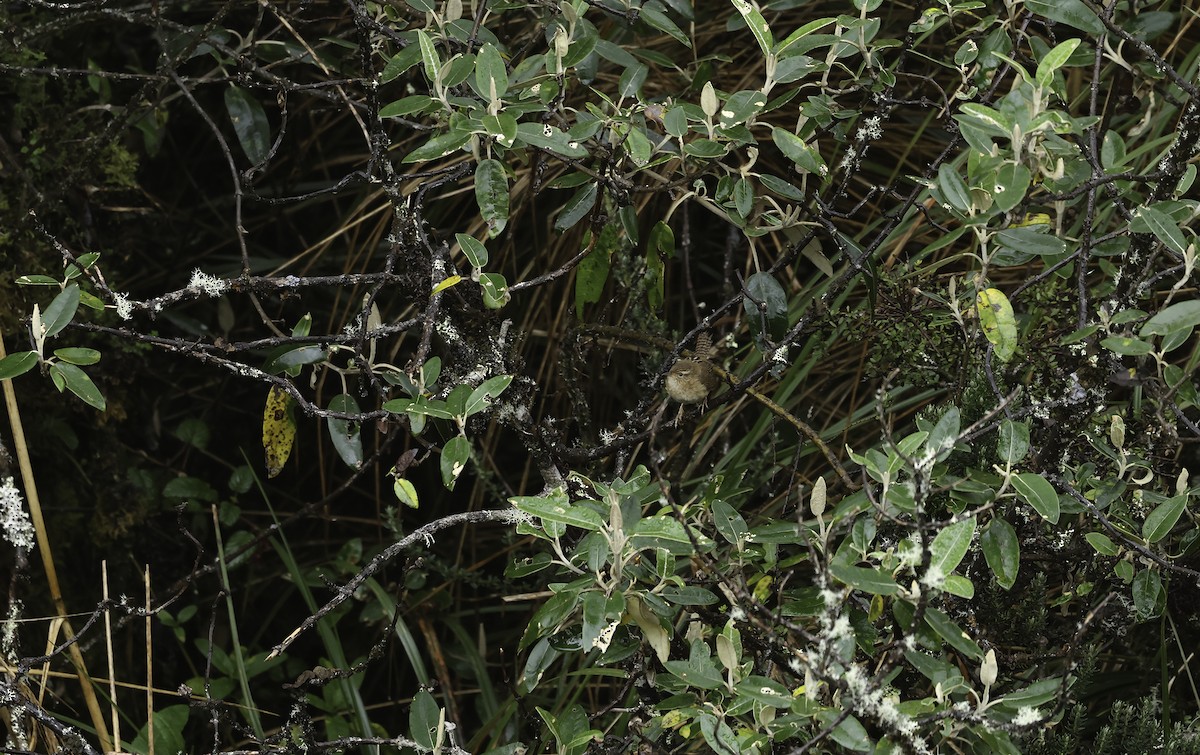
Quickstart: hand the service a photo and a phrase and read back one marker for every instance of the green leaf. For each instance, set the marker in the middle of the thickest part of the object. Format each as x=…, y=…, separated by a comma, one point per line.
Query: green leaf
x=415, y=103
x=61, y=311
x=194, y=432
x=482, y=396
x=849, y=732
x=1158, y=525
x=37, y=280
x=476, y=253
x=491, y=194
x=698, y=670
x=659, y=20
x=183, y=488
x=303, y=326
x=556, y=508
x=741, y=107
x=297, y=357
x=490, y=72
x=1054, y=60
x=688, y=595
x=592, y=274
x=429, y=56
x=656, y=530
x=638, y=147
x=250, y=123
x=1002, y=551
x=454, y=460
x=797, y=150
x=802, y=32
x=705, y=149
x=17, y=364
x=577, y=207
x=954, y=189
x=1149, y=598
x=757, y=25
x=168, y=730
x=1112, y=152
x=950, y=545
x=424, y=720
x=1070, y=12
x=595, y=617
x=781, y=187
x=718, y=735
x=1126, y=346
x=1013, y=442
x=1164, y=228
x=986, y=119
x=79, y=383
x=956, y=584
x=765, y=304
x=765, y=691
x=631, y=80
x=1038, y=493
x=80, y=356
x=495, y=290
x=1183, y=315
x=952, y=633
x=998, y=322
x=1012, y=181
x=1038, y=693
x=674, y=121
x=400, y=62
x=660, y=247
x=502, y=128
x=346, y=435
x=1032, y=241
x=872, y=581
x=1102, y=543
x=729, y=523
x=743, y=197
x=549, y=137
x=438, y=146
x=944, y=435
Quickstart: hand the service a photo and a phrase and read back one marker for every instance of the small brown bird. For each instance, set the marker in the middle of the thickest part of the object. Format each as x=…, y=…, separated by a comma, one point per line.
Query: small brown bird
x=690, y=381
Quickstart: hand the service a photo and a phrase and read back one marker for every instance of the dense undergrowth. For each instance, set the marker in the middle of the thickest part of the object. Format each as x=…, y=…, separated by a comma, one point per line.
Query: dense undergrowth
x=340, y=334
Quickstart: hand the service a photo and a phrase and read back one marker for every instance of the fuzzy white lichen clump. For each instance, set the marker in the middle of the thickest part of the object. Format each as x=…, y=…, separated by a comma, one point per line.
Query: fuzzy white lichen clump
x=14, y=520
x=123, y=305
x=209, y=285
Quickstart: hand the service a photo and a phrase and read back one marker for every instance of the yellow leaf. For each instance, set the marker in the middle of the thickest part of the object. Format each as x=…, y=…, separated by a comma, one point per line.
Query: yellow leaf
x=1039, y=218
x=998, y=321
x=279, y=430
x=453, y=280
x=405, y=491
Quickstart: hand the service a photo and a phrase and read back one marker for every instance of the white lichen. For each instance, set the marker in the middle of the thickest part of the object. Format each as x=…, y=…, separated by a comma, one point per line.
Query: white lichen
x=209, y=285
x=8, y=630
x=14, y=520
x=123, y=306
x=1026, y=716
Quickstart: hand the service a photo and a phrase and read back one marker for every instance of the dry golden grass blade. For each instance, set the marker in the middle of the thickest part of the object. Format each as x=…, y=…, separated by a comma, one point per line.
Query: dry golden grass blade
x=114, y=709
x=149, y=669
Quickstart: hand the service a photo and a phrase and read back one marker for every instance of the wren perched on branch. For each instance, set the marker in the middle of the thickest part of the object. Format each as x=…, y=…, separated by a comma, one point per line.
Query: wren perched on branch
x=690, y=381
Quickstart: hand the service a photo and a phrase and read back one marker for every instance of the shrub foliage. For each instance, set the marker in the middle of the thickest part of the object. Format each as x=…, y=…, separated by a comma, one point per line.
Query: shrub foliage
x=369, y=308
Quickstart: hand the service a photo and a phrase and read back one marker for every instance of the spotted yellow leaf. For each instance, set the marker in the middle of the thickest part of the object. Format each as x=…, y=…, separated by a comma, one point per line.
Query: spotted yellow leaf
x=999, y=323
x=279, y=430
